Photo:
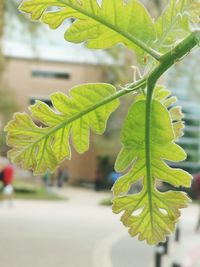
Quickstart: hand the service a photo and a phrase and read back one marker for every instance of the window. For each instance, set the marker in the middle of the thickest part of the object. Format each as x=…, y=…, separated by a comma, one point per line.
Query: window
x=51, y=74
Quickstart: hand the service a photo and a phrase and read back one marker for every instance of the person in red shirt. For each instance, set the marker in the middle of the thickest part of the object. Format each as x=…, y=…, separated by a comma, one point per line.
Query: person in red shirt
x=8, y=173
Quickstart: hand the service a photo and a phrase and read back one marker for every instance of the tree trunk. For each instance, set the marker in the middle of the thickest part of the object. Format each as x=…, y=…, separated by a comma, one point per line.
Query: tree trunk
x=2, y=9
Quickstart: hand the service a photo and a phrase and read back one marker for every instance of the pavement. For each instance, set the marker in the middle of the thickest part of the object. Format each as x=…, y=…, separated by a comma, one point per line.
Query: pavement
x=185, y=252
x=81, y=233
x=74, y=233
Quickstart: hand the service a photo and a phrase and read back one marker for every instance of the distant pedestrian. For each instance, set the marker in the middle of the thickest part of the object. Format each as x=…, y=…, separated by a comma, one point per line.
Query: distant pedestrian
x=112, y=178
x=1, y=175
x=62, y=177
x=46, y=178
x=8, y=173
x=197, y=190
x=98, y=180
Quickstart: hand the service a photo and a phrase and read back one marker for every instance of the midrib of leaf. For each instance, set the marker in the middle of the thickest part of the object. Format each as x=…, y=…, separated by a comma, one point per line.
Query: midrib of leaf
x=84, y=112
x=62, y=137
x=128, y=36
x=149, y=177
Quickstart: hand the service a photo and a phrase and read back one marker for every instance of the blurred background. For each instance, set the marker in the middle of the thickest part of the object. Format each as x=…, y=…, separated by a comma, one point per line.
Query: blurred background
x=65, y=219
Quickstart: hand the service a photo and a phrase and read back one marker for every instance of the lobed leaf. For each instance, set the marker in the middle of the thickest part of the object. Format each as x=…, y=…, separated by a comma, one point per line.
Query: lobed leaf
x=164, y=96
x=150, y=214
x=99, y=25
x=176, y=22
x=194, y=11
x=44, y=147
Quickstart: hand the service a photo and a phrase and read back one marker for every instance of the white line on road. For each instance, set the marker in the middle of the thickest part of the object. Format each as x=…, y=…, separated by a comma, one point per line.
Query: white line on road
x=102, y=250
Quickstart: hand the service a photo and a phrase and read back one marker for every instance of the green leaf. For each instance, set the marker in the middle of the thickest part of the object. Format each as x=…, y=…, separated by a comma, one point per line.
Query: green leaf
x=194, y=11
x=164, y=96
x=150, y=214
x=174, y=24
x=100, y=26
x=44, y=147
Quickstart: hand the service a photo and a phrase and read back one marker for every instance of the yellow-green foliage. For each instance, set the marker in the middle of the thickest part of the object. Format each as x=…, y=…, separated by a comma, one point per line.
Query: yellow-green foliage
x=153, y=123
x=42, y=148
x=158, y=211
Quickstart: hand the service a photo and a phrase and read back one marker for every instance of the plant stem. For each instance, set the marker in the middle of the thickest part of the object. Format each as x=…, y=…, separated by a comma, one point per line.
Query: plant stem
x=174, y=56
x=168, y=60
x=150, y=88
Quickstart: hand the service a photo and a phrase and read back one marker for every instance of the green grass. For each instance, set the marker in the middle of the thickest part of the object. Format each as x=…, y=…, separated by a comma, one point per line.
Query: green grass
x=40, y=194
x=23, y=190
x=106, y=202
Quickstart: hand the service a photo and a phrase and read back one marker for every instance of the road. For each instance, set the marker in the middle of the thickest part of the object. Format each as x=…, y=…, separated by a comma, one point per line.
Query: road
x=74, y=233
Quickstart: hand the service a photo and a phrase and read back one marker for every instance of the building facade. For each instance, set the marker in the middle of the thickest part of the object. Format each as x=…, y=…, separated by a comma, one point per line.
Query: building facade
x=40, y=63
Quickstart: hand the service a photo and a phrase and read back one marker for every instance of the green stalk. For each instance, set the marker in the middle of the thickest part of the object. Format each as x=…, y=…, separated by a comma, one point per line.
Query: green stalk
x=150, y=89
x=168, y=60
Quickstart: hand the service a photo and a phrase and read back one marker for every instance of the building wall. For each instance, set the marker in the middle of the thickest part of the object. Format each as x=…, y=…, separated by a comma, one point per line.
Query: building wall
x=25, y=85
x=19, y=75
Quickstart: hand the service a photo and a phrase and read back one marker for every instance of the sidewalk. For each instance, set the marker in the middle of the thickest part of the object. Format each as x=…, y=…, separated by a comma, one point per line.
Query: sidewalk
x=74, y=233
x=116, y=249
x=186, y=252
x=81, y=195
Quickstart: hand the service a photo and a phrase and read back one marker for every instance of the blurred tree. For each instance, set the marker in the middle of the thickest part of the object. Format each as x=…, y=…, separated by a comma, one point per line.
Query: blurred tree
x=118, y=73
x=7, y=103
x=2, y=8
